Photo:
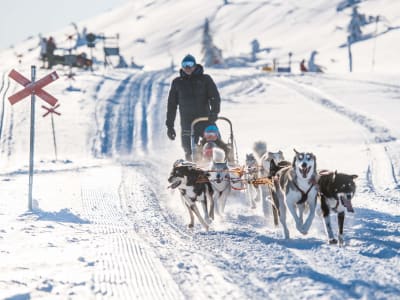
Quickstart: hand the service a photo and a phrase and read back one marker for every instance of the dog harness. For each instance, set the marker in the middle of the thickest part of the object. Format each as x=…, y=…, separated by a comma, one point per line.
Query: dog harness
x=304, y=195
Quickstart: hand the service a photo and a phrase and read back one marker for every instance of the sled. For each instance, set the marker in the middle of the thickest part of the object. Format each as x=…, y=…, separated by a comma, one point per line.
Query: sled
x=199, y=148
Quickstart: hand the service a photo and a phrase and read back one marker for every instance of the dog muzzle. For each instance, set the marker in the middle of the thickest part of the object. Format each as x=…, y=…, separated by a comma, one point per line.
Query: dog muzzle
x=175, y=184
x=346, y=201
x=304, y=171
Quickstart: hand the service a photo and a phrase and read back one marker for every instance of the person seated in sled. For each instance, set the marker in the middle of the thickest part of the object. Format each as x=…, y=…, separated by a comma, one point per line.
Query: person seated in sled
x=212, y=138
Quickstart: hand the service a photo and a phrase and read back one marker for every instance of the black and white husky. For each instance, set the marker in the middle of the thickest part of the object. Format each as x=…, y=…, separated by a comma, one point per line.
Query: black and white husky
x=220, y=180
x=336, y=191
x=267, y=159
x=295, y=187
x=194, y=185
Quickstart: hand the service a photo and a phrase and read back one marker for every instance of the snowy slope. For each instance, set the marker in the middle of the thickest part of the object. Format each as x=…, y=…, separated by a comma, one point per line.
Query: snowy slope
x=106, y=227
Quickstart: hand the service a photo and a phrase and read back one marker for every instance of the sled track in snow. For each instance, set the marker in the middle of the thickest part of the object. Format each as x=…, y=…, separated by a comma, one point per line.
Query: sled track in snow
x=128, y=115
x=126, y=268
x=378, y=132
x=381, y=175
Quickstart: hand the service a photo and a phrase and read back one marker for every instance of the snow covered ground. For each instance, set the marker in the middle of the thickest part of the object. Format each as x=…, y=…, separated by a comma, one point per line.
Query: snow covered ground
x=104, y=224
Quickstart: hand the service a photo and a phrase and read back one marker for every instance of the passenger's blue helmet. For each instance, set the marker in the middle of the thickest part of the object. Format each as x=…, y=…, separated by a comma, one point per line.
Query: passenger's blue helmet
x=211, y=133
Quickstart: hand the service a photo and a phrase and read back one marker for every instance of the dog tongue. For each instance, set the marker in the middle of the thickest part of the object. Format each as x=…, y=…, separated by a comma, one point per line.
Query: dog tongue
x=304, y=172
x=347, y=204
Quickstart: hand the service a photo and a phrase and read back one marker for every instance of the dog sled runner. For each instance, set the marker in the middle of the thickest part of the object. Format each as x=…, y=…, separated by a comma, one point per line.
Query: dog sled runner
x=202, y=149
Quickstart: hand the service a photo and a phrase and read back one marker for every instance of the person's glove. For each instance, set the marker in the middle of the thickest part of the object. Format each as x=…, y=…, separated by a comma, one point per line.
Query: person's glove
x=171, y=133
x=212, y=118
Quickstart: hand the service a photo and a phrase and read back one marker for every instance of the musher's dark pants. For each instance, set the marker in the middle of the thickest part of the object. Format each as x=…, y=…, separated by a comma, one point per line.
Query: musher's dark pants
x=186, y=139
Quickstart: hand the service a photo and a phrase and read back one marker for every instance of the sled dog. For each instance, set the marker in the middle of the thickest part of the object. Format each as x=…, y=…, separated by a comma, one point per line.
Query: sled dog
x=259, y=149
x=336, y=190
x=253, y=191
x=220, y=180
x=266, y=160
x=194, y=185
x=269, y=166
x=296, y=188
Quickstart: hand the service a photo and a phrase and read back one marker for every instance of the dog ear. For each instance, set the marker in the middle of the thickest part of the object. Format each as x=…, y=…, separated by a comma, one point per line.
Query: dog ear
x=354, y=176
x=272, y=165
x=294, y=161
x=295, y=151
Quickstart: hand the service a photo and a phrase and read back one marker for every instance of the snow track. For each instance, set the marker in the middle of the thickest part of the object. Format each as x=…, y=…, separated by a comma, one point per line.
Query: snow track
x=126, y=268
x=129, y=115
x=381, y=176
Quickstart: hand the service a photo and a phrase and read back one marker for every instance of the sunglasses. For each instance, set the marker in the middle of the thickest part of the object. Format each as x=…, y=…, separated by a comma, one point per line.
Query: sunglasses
x=187, y=64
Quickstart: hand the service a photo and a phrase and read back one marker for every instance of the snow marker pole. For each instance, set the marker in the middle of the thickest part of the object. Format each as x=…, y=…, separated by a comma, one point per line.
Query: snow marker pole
x=32, y=139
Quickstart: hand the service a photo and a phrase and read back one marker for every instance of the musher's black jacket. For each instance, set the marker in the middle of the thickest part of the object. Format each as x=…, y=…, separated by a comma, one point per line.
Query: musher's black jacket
x=195, y=94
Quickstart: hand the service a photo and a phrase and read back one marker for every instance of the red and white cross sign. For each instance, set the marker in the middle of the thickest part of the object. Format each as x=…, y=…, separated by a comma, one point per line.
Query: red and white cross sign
x=33, y=88
x=51, y=110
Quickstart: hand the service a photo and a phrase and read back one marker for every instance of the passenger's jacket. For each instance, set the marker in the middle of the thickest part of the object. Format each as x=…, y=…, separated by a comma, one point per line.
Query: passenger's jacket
x=196, y=95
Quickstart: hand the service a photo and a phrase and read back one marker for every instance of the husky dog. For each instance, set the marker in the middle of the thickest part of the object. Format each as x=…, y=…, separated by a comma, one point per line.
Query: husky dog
x=194, y=185
x=266, y=160
x=273, y=170
x=220, y=179
x=259, y=149
x=268, y=164
x=253, y=190
x=295, y=187
x=336, y=191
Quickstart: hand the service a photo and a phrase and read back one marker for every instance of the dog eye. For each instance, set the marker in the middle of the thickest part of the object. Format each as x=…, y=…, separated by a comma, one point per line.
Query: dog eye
x=301, y=156
x=308, y=156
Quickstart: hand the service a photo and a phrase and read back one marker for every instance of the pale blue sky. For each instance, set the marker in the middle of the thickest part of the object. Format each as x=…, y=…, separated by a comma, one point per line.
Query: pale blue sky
x=23, y=18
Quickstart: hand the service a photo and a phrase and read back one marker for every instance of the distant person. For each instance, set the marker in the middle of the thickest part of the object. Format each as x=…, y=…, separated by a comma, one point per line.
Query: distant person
x=43, y=50
x=312, y=66
x=197, y=96
x=50, y=47
x=303, y=67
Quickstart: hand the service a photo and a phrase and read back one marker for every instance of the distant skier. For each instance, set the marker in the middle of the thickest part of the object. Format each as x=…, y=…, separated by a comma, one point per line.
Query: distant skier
x=197, y=96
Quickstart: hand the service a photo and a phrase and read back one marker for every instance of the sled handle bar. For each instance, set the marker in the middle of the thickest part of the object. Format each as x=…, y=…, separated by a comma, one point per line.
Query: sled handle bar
x=205, y=119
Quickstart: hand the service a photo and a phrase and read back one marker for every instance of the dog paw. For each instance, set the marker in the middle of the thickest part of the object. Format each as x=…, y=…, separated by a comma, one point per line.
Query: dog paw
x=332, y=241
x=190, y=226
x=208, y=220
x=301, y=229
